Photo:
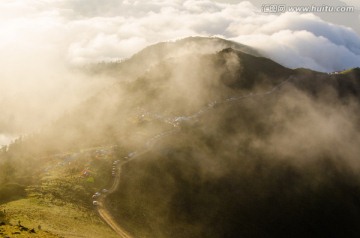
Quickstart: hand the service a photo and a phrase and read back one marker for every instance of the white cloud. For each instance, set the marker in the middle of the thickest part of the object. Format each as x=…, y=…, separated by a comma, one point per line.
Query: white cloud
x=103, y=48
x=6, y=139
x=297, y=40
x=161, y=21
x=354, y=3
x=39, y=38
x=303, y=49
x=92, y=30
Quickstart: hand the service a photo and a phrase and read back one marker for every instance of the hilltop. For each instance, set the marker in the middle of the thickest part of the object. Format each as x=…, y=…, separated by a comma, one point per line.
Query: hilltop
x=137, y=65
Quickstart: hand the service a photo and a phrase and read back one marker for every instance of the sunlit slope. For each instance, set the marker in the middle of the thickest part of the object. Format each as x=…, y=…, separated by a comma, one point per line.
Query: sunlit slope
x=57, y=201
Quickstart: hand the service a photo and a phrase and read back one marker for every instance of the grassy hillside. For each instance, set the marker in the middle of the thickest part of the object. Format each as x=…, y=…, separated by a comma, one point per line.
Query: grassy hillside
x=24, y=232
x=65, y=220
x=59, y=198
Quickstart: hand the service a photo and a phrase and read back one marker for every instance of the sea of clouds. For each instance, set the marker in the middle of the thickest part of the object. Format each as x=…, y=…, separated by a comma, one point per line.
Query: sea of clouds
x=40, y=39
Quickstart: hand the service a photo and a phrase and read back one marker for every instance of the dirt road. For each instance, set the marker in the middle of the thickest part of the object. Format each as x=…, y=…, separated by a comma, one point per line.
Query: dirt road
x=104, y=213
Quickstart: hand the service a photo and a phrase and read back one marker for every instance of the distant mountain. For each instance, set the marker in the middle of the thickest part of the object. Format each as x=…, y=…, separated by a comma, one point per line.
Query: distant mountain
x=177, y=86
x=175, y=79
x=140, y=62
x=172, y=87
x=256, y=149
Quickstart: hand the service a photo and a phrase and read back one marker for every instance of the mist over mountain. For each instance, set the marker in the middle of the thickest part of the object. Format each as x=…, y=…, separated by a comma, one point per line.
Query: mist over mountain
x=257, y=149
x=154, y=54
x=43, y=40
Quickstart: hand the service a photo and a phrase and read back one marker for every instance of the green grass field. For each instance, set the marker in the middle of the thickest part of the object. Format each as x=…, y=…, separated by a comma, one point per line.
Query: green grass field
x=60, y=202
x=66, y=220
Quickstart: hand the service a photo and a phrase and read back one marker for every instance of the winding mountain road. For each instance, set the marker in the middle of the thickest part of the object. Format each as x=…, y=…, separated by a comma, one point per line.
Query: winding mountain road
x=104, y=213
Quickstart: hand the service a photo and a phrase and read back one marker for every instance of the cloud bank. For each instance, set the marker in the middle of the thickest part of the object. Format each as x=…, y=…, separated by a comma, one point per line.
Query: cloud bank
x=79, y=31
x=40, y=39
